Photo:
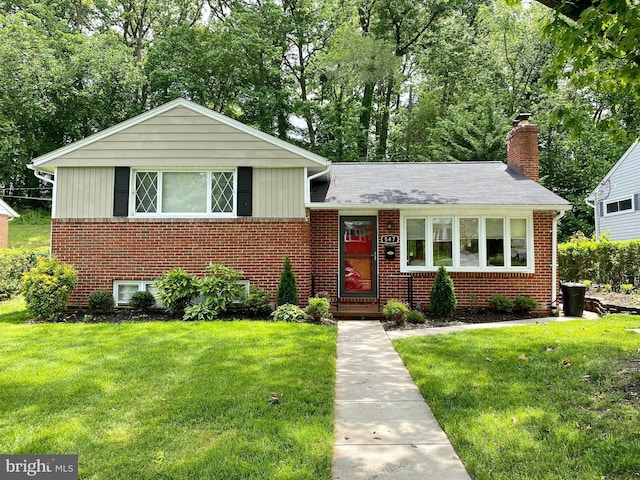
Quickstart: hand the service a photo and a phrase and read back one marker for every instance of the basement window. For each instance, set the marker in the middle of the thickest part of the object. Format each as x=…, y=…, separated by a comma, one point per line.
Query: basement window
x=123, y=290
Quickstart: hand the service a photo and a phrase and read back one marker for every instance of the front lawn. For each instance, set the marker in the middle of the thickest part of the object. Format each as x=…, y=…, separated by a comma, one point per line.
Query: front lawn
x=171, y=400
x=555, y=401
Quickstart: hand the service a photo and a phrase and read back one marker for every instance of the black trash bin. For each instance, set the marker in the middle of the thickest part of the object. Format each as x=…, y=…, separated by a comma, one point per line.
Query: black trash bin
x=573, y=299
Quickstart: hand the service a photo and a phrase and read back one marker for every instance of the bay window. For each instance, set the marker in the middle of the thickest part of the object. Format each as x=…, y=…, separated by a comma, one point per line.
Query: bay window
x=184, y=192
x=467, y=243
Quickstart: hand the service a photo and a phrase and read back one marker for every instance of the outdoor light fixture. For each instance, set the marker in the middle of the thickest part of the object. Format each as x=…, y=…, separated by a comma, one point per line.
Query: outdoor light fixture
x=390, y=225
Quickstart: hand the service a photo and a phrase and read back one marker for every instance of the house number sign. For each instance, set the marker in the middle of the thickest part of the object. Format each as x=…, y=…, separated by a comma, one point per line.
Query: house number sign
x=387, y=239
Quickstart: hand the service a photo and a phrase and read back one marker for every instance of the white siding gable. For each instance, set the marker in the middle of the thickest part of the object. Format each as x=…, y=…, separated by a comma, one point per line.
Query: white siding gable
x=619, y=186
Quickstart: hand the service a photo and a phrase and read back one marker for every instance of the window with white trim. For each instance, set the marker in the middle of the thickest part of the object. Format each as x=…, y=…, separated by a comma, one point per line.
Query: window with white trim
x=467, y=243
x=123, y=290
x=185, y=192
x=619, y=206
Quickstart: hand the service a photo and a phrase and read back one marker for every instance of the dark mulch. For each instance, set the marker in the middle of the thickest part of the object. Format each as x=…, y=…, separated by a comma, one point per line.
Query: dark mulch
x=463, y=316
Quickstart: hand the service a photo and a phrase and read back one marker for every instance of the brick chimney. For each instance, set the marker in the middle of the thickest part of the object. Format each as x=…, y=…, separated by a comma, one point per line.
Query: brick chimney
x=522, y=147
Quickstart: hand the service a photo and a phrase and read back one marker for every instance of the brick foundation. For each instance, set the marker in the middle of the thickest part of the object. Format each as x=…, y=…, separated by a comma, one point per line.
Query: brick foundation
x=104, y=250
x=472, y=289
x=4, y=231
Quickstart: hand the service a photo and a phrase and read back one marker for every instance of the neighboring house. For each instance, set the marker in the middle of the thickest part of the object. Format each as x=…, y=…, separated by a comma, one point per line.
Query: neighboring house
x=616, y=199
x=183, y=186
x=6, y=214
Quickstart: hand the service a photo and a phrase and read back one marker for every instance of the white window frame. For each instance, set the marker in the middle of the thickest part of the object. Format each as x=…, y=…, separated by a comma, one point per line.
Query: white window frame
x=620, y=212
x=142, y=285
x=482, y=252
x=160, y=214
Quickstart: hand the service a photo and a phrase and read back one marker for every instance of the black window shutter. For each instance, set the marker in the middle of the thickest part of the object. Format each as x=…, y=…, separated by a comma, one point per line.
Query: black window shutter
x=245, y=187
x=121, y=192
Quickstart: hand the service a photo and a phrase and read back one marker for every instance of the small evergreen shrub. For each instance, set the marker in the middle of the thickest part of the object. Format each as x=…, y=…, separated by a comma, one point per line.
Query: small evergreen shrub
x=101, y=301
x=396, y=312
x=501, y=303
x=586, y=283
x=416, y=317
x=288, y=313
x=142, y=300
x=258, y=304
x=47, y=287
x=176, y=290
x=287, y=289
x=526, y=303
x=442, y=299
x=318, y=308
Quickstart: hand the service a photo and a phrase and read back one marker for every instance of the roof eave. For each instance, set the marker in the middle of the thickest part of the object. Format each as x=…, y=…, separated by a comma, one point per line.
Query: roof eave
x=438, y=206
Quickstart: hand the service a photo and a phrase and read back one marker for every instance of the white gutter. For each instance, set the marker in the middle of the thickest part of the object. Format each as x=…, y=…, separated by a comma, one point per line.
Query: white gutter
x=39, y=175
x=595, y=215
x=554, y=261
x=307, y=187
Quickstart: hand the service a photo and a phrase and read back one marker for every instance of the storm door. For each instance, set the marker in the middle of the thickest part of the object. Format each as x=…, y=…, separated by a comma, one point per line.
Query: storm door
x=358, y=256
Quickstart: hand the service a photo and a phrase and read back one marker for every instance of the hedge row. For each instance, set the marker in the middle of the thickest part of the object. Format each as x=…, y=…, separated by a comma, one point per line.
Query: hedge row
x=14, y=262
x=602, y=262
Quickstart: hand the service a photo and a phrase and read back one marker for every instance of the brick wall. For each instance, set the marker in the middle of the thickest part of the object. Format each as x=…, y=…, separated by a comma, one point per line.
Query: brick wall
x=522, y=150
x=472, y=289
x=104, y=250
x=4, y=231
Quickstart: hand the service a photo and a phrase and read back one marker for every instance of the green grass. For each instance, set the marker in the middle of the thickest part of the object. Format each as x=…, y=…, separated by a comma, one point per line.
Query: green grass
x=170, y=400
x=32, y=229
x=556, y=401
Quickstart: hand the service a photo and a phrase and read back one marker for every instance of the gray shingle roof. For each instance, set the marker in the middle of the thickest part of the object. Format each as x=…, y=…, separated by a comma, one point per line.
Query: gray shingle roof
x=463, y=183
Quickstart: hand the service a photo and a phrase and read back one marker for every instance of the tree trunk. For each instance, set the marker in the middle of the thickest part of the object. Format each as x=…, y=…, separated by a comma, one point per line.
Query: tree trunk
x=381, y=150
x=365, y=121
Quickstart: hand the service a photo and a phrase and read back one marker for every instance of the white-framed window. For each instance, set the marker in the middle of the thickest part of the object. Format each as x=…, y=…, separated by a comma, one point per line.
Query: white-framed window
x=615, y=207
x=183, y=192
x=123, y=290
x=466, y=243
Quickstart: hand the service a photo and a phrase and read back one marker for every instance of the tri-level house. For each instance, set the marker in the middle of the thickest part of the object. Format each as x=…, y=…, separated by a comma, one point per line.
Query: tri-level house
x=183, y=186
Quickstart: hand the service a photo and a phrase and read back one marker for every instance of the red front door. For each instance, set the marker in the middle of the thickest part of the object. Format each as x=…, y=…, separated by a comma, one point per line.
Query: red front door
x=358, y=256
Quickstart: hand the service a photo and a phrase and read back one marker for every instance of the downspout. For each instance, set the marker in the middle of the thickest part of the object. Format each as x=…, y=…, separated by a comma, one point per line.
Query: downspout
x=595, y=214
x=51, y=181
x=554, y=261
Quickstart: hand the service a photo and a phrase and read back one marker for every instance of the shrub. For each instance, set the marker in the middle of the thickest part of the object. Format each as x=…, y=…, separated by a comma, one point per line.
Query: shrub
x=318, y=308
x=442, y=300
x=586, y=283
x=287, y=290
x=396, y=311
x=288, y=313
x=47, y=288
x=258, y=303
x=602, y=261
x=219, y=288
x=14, y=263
x=101, y=301
x=199, y=311
x=416, y=316
x=142, y=300
x=501, y=303
x=176, y=290
x=626, y=288
x=526, y=303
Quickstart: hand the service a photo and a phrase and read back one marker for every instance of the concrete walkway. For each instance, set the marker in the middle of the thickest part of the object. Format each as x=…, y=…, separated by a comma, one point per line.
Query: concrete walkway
x=384, y=430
